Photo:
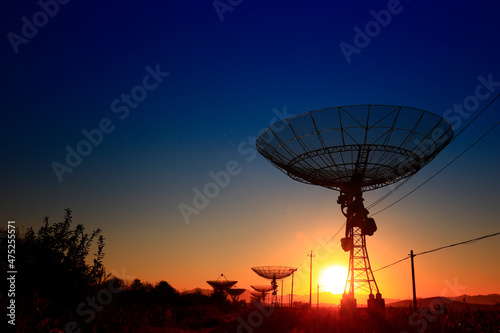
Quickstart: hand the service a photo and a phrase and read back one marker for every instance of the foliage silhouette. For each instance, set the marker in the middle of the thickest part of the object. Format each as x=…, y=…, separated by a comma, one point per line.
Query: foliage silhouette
x=53, y=273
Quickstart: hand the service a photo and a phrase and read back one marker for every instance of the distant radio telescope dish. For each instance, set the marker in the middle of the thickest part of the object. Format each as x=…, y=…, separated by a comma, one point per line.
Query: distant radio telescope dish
x=353, y=149
x=221, y=284
x=274, y=273
x=262, y=289
x=235, y=293
x=256, y=297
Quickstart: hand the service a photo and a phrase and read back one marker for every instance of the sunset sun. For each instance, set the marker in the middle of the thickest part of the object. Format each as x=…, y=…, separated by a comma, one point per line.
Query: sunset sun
x=333, y=279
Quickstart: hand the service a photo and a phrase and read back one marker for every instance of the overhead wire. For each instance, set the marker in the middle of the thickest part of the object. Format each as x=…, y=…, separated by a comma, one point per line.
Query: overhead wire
x=434, y=175
x=470, y=122
x=340, y=229
x=460, y=243
x=454, y=138
x=335, y=235
x=440, y=248
x=394, y=263
x=382, y=198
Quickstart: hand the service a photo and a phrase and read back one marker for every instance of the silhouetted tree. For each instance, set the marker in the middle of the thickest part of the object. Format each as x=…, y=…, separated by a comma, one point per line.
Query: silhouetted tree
x=165, y=293
x=53, y=274
x=136, y=285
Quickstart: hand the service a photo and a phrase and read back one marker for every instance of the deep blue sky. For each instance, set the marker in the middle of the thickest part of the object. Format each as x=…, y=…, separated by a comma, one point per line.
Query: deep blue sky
x=225, y=78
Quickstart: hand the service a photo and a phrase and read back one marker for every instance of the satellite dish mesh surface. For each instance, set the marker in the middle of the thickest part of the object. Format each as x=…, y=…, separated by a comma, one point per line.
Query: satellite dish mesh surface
x=262, y=289
x=235, y=291
x=274, y=272
x=376, y=145
x=222, y=283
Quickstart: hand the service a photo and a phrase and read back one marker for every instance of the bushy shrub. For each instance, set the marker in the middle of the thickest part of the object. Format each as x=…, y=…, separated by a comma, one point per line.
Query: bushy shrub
x=53, y=272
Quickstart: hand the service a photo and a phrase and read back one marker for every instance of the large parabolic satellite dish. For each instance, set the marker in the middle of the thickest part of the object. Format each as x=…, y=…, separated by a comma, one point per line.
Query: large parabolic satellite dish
x=372, y=145
x=353, y=149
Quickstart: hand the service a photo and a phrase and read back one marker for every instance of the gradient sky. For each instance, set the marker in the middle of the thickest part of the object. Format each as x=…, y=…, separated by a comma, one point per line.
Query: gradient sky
x=228, y=79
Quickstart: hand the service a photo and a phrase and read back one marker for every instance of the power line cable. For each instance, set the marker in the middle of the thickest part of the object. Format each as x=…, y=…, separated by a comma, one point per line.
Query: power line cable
x=342, y=227
x=434, y=175
x=460, y=243
x=453, y=139
x=441, y=248
x=394, y=263
x=470, y=122
x=333, y=237
x=401, y=183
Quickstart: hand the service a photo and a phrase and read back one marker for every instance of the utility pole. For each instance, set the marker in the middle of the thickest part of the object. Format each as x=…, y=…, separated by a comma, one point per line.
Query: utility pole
x=281, y=293
x=413, y=282
x=291, y=296
x=317, y=302
x=311, y=278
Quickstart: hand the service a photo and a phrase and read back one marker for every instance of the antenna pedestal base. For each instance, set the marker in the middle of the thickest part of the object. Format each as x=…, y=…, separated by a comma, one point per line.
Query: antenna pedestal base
x=274, y=300
x=348, y=304
x=376, y=305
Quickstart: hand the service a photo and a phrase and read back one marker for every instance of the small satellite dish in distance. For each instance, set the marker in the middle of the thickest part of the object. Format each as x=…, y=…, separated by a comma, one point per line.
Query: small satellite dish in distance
x=256, y=297
x=262, y=289
x=222, y=283
x=274, y=273
x=235, y=293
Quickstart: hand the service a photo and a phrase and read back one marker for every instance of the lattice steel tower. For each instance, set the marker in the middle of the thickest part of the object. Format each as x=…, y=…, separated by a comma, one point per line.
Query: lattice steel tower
x=353, y=149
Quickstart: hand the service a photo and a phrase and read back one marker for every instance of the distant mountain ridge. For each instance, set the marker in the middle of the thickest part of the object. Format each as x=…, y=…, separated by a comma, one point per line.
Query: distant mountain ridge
x=329, y=299
x=491, y=299
x=458, y=301
x=203, y=291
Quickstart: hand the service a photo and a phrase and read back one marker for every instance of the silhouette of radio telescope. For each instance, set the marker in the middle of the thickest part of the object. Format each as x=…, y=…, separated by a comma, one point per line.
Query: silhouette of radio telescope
x=221, y=284
x=274, y=273
x=256, y=296
x=263, y=290
x=353, y=149
x=235, y=293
